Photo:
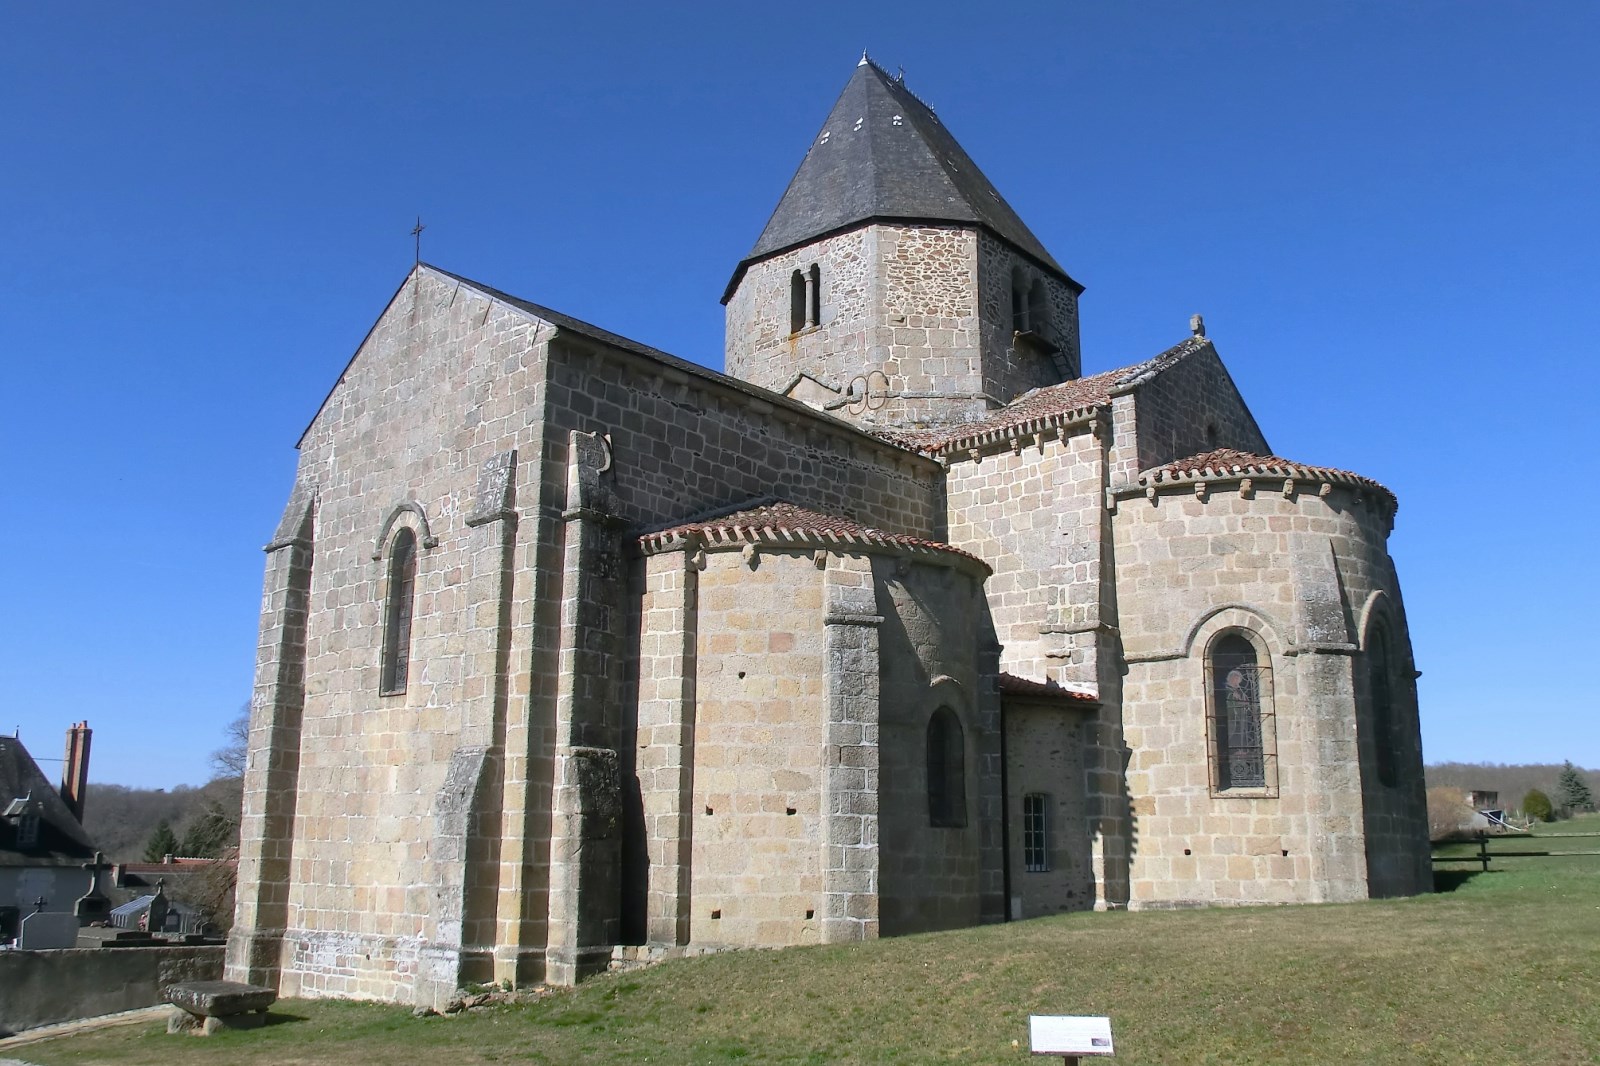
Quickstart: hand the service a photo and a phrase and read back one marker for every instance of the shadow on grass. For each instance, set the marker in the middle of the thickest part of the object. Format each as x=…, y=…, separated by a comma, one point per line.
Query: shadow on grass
x=278, y=1018
x=1450, y=880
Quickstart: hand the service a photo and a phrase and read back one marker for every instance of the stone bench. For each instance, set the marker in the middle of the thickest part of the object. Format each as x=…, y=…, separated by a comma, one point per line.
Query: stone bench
x=200, y=1008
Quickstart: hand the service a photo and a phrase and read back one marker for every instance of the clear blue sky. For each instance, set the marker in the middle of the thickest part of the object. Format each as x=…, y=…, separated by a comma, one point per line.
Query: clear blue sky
x=1386, y=213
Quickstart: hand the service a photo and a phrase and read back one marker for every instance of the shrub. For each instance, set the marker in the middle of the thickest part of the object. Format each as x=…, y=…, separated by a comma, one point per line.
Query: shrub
x=1449, y=817
x=1536, y=805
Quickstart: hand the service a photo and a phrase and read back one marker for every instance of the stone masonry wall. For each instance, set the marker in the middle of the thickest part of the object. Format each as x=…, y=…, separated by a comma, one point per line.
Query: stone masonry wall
x=682, y=445
x=1045, y=749
x=1283, y=569
x=1193, y=407
x=446, y=380
x=1035, y=515
x=921, y=314
x=1009, y=371
x=932, y=877
x=758, y=741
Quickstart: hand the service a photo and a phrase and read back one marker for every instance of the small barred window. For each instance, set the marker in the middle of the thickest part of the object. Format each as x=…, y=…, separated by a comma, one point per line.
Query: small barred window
x=1035, y=833
x=28, y=831
x=397, y=613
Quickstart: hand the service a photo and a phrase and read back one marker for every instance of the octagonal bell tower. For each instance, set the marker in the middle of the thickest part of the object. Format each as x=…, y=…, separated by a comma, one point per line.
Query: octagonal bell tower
x=893, y=285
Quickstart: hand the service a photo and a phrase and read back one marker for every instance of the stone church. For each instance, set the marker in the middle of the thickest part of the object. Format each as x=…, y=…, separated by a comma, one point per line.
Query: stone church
x=575, y=652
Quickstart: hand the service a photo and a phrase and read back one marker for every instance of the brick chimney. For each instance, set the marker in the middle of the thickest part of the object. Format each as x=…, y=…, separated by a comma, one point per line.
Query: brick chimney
x=75, y=769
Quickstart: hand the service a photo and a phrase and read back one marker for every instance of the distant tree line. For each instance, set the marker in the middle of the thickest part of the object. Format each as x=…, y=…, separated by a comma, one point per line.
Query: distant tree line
x=1563, y=784
x=147, y=824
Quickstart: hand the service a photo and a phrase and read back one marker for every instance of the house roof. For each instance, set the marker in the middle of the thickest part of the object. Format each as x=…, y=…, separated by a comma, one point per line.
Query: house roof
x=62, y=841
x=780, y=523
x=883, y=155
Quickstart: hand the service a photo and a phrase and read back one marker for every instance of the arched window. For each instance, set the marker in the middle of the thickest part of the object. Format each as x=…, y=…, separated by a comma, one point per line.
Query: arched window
x=797, y=302
x=1236, y=710
x=1038, y=309
x=1019, y=300
x=397, y=613
x=947, y=775
x=814, y=304
x=1381, y=686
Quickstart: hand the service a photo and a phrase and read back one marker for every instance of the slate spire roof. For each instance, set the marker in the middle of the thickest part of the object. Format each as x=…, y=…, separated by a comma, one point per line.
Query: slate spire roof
x=884, y=155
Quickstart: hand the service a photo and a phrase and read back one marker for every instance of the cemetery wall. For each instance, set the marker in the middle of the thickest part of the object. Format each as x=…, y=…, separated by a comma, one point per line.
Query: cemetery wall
x=46, y=987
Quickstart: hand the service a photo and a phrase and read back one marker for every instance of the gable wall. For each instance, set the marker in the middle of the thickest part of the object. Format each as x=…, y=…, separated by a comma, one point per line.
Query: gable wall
x=1193, y=407
x=445, y=380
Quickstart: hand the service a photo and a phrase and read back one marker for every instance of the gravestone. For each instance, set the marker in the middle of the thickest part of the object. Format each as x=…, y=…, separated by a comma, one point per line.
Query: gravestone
x=156, y=915
x=93, y=906
x=48, y=930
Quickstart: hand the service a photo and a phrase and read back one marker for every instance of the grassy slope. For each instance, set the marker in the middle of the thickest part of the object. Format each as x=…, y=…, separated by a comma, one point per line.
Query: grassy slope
x=1505, y=969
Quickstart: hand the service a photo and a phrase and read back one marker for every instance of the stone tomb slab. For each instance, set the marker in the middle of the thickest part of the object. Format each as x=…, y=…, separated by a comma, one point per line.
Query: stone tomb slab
x=48, y=931
x=203, y=1007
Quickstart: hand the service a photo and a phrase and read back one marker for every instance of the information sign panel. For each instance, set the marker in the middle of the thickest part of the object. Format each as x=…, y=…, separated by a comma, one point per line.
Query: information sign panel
x=1062, y=1034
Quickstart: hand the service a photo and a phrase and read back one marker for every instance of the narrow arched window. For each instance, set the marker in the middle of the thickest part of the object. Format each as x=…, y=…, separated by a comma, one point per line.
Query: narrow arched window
x=947, y=776
x=1381, y=686
x=814, y=301
x=397, y=613
x=1019, y=300
x=1038, y=310
x=1236, y=714
x=797, y=302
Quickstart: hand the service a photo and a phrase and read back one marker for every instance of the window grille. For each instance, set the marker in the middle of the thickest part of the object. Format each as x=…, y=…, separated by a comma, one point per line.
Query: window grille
x=947, y=786
x=1237, y=711
x=397, y=614
x=1035, y=833
x=28, y=831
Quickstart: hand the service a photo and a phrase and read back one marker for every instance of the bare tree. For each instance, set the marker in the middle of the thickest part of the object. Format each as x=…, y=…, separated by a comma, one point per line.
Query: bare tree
x=229, y=760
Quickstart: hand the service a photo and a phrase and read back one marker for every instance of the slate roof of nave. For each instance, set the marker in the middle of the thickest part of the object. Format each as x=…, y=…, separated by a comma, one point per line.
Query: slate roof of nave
x=884, y=155
x=1047, y=404
x=779, y=522
x=578, y=327
x=1229, y=464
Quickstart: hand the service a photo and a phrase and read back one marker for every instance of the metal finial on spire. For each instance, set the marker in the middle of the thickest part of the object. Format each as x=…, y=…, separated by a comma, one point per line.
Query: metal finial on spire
x=416, y=232
x=864, y=59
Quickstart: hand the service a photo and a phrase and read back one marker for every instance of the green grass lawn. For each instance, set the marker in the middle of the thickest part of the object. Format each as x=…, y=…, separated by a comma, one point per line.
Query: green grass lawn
x=1504, y=968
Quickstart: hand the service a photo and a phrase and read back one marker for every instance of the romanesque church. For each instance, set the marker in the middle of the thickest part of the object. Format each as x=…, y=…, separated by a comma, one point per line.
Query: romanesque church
x=573, y=651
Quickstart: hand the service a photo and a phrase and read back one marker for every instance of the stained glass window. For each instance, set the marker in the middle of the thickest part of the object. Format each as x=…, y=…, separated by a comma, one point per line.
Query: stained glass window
x=1236, y=710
